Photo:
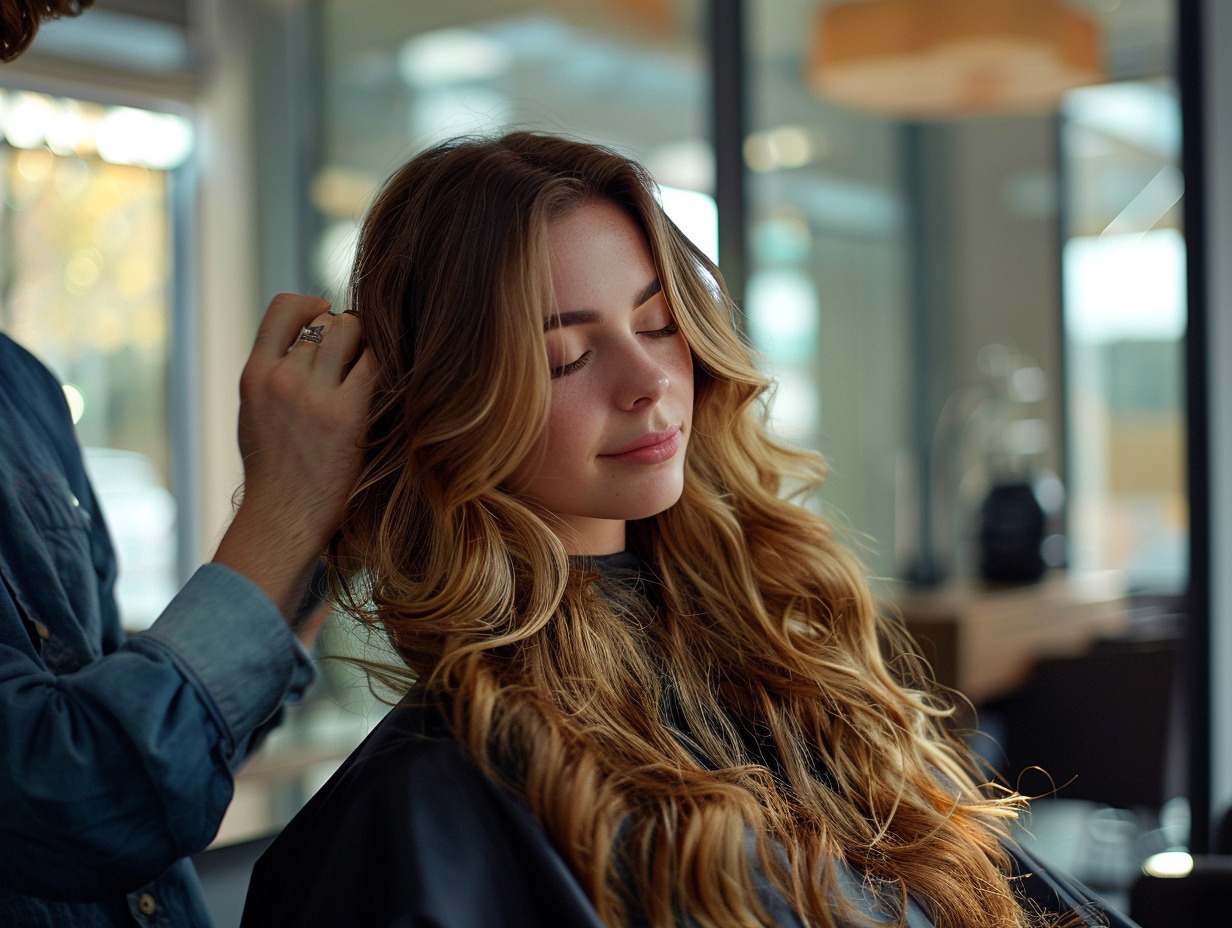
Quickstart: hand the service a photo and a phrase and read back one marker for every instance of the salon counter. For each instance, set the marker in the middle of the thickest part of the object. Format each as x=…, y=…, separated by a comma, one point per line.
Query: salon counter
x=982, y=640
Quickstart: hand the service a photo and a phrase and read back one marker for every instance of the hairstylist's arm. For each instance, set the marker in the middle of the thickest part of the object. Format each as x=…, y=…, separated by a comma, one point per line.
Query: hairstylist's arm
x=118, y=754
x=302, y=408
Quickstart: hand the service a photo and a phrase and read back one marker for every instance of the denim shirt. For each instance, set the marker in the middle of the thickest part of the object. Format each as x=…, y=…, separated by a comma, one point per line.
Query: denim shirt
x=116, y=755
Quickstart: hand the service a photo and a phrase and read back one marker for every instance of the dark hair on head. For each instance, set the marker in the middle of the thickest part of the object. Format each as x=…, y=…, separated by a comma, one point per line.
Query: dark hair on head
x=20, y=21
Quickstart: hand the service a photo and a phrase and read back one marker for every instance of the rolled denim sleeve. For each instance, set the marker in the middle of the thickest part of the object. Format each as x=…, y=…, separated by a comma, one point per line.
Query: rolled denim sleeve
x=236, y=645
x=110, y=773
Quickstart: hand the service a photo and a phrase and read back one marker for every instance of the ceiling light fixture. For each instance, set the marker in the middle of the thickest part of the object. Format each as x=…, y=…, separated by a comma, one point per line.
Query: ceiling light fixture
x=922, y=59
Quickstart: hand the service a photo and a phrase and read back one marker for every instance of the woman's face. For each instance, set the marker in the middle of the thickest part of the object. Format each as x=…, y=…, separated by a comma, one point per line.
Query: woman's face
x=622, y=386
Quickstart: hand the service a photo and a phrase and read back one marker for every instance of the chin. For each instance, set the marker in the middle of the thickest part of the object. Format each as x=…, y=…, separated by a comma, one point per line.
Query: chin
x=652, y=505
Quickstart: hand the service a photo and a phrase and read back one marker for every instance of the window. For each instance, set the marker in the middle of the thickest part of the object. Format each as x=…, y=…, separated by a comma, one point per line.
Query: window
x=86, y=284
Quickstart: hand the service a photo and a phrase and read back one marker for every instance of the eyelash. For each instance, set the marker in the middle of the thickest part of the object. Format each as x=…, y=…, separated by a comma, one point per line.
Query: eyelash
x=666, y=331
x=574, y=366
x=566, y=369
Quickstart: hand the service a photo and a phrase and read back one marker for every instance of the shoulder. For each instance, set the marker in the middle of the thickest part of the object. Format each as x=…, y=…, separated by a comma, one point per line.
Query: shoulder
x=407, y=820
x=411, y=784
x=407, y=762
x=19, y=366
x=33, y=399
x=405, y=759
x=357, y=832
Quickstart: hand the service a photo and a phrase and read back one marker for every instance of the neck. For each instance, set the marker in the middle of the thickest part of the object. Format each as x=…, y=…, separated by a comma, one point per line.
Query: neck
x=581, y=535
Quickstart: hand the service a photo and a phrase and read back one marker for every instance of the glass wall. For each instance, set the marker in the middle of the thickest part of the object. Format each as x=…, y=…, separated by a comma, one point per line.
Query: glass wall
x=906, y=285
x=1125, y=309
x=964, y=289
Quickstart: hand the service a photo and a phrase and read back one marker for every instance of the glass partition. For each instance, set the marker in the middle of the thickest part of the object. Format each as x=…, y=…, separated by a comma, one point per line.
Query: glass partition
x=1125, y=309
x=962, y=299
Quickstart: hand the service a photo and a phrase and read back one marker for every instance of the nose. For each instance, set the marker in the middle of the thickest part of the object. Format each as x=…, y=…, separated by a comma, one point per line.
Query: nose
x=643, y=381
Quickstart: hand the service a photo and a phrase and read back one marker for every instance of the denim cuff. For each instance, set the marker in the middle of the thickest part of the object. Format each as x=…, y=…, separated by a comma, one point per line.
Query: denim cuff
x=233, y=639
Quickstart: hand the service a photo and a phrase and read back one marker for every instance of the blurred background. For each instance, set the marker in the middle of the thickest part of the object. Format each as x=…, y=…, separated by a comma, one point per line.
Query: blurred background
x=969, y=239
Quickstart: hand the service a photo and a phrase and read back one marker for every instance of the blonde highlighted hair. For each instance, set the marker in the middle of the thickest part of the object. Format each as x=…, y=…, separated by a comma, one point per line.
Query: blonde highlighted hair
x=745, y=716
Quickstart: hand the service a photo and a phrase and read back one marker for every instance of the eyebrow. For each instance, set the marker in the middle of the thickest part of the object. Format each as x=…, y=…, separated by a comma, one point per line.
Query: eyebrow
x=572, y=317
x=647, y=292
x=585, y=316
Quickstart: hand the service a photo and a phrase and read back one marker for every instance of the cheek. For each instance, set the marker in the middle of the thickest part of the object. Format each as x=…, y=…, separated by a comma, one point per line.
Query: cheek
x=535, y=462
x=567, y=431
x=682, y=373
x=558, y=448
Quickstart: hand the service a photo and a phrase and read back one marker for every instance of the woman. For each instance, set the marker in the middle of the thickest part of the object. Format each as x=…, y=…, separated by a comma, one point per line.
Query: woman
x=647, y=689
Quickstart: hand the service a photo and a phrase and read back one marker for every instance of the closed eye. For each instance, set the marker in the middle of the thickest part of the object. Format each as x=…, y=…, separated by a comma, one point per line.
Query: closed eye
x=665, y=332
x=574, y=366
x=565, y=369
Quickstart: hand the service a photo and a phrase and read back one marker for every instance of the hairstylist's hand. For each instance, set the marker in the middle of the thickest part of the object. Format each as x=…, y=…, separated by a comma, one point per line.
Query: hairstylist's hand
x=304, y=397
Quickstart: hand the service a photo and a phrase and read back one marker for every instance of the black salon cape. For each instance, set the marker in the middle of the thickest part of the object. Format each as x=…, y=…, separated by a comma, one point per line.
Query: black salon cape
x=409, y=833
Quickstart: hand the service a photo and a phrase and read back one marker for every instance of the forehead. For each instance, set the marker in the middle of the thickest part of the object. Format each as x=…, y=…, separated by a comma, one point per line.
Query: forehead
x=597, y=244
x=597, y=218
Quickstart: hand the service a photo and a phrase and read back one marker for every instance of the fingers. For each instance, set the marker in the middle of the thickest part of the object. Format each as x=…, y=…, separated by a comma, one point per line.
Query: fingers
x=328, y=345
x=323, y=378
x=301, y=330
x=362, y=376
x=303, y=409
x=286, y=317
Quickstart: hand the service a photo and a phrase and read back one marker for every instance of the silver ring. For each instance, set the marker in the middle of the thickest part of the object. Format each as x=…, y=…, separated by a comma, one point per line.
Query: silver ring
x=312, y=333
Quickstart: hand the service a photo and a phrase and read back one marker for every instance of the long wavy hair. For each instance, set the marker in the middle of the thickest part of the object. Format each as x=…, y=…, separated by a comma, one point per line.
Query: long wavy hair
x=757, y=711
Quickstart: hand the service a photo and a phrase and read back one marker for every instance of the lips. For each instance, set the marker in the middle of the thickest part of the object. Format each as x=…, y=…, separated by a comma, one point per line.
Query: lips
x=649, y=448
